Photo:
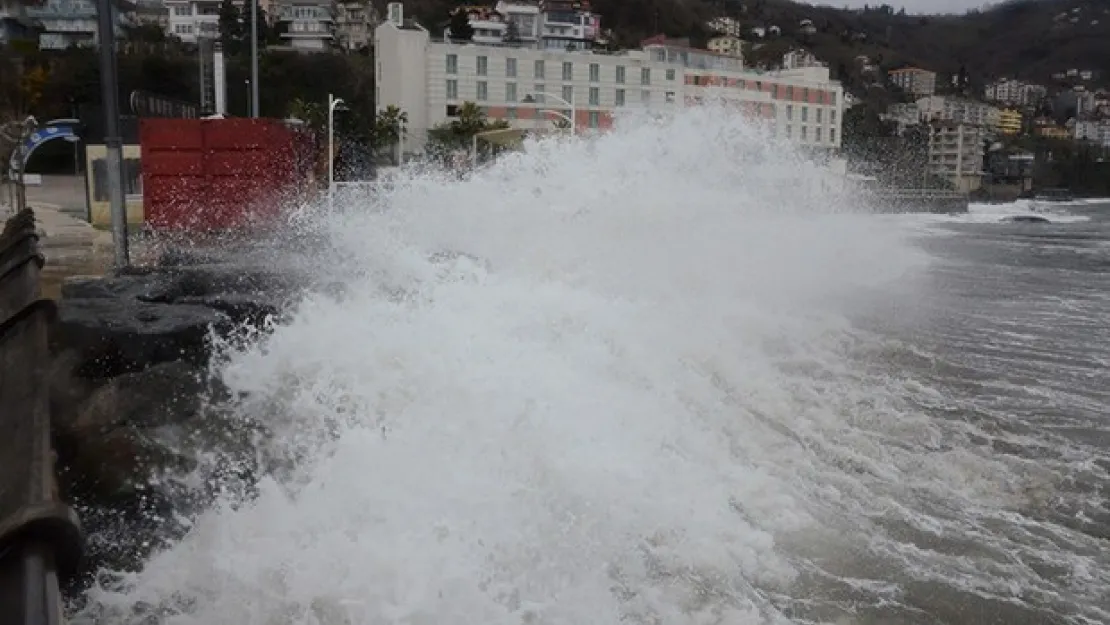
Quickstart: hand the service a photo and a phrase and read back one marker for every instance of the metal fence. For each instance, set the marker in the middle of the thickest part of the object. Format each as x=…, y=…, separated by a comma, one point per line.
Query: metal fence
x=40, y=537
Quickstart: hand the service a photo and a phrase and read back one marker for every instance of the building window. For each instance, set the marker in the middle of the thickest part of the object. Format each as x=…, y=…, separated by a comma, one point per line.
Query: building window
x=670, y=97
x=568, y=93
x=483, y=65
x=482, y=91
x=805, y=115
x=595, y=119
x=645, y=76
x=832, y=135
x=181, y=10
x=538, y=95
x=620, y=74
x=805, y=95
x=620, y=97
x=832, y=98
x=510, y=92
x=817, y=132
x=595, y=72
x=789, y=131
x=510, y=113
x=832, y=116
x=775, y=91
x=805, y=133
x=819, y=111
x=568, y=70
x=789, y=92
x=510, y=68
x=452, y=64
x=595, y=96
x=789, y=112
x=452, y=89
x=645, y=96
x=670, y=74
x=538, y=69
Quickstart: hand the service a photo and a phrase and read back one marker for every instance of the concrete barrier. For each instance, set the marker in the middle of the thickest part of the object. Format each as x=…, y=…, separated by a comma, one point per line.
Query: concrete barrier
x=40, y=537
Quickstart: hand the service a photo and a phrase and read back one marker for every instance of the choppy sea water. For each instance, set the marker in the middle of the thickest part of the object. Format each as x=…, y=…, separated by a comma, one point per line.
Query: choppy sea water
x=666, y=376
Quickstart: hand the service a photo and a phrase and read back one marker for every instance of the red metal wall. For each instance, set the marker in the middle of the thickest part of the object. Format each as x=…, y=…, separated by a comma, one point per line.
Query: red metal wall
x=218, y=174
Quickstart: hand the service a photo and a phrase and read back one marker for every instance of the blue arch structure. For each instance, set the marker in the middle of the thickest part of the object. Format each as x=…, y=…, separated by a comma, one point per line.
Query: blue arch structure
x=66, y=129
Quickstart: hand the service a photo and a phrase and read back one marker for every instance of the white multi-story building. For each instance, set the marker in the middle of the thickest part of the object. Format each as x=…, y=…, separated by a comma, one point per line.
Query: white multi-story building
x=523, y=20
x=191, y=19
x=729, y=45
x=725, y=26
x=1095, y=131
x=959, y=110
x=549, y=24
x=915, y=81
x=531, y=88
x=1015, y=93
x=63, y=24
x=354, y=24
x=796, y=59
x=307, y=25
x=956, y=153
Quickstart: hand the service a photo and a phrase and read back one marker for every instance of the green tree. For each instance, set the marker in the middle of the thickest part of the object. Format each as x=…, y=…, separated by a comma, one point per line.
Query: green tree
x=231, y=28
x=512, y=33
x=267, y=35
x=314, y=114
x=389, y=127
x=460, y=27
x=458, y=134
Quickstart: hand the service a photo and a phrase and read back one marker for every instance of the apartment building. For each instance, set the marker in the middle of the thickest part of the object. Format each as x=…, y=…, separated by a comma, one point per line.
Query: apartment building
x=549, y=24
x=1015, y=93
x=190, y=20
x=1095, y=131
x=354, y=25
x=306, y=25
x=915, y=81
x=959, y=110
x=523, y=19
x=728, y=45
x=1010, y=122
x=532, y=87
x=956, y=153
x=62, y=24
x=796, y=59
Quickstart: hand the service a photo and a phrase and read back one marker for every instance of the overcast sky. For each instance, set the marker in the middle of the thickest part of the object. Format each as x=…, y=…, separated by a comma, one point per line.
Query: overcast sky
x=911, y=6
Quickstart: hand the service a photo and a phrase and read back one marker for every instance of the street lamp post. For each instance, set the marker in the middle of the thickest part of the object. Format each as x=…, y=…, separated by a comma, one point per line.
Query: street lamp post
x=109, y=87
x=334, y=103
x=530, y=99
x=254, y=58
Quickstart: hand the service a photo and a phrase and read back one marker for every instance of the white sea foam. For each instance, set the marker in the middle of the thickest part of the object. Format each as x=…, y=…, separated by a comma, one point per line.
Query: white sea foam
x=604, y=381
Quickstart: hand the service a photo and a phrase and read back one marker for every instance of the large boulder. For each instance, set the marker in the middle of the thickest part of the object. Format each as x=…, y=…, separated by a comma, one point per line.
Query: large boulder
x=167, y=393
x=117, y=336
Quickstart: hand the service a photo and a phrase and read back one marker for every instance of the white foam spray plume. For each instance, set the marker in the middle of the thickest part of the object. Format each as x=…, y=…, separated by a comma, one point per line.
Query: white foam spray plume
x=604, y=381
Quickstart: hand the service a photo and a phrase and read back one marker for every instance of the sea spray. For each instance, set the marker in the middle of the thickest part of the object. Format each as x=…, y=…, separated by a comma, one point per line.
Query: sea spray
x=607, y=380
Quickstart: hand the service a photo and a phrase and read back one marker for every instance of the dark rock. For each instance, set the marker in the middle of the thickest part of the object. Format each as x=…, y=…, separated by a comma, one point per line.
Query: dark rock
x=113, y=466
x=117, y=336
x=174, y=285
x=163, y=394
x=248, y=309
x=143, y=287
x=1026, y=219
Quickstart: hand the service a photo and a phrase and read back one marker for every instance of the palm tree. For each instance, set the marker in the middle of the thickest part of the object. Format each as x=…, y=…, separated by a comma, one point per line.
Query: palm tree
x=389, y=126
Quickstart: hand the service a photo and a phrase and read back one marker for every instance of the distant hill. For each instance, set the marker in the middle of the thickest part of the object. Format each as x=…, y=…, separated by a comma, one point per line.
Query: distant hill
x=1027, y=39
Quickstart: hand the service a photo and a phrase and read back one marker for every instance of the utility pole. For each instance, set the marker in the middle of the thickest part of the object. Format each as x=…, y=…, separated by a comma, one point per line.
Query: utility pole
x=254, y=58
x=109, y=85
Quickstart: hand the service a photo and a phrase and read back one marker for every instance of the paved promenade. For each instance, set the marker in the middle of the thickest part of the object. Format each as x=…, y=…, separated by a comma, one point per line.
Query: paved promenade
x=72, y=247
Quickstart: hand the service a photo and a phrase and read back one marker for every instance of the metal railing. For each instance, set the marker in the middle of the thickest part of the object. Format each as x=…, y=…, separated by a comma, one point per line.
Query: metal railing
x=40, y=537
